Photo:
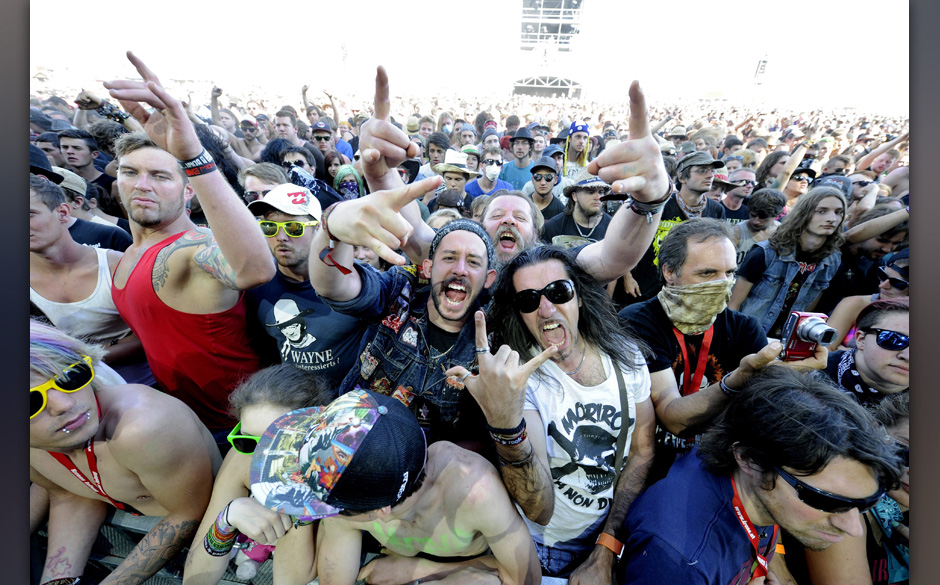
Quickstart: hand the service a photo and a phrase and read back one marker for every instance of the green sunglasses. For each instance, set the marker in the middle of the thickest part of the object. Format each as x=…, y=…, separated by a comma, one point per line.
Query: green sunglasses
x=244, y=444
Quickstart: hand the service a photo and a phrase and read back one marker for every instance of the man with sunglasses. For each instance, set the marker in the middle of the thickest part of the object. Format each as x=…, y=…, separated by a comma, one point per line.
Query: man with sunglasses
x=572, y=426
x=880, y=363
x=583, y=216
x=94, y=444
x=544, y=178
x=756, y=477
x=251, y=145
x=741, y=183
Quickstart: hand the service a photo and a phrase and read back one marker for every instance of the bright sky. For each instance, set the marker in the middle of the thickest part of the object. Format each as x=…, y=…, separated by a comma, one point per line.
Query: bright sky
x=820, y=53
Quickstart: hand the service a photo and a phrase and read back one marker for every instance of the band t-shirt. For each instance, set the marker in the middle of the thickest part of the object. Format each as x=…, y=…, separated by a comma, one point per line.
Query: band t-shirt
x=582, y=425
x=302, y=330
x=753, y=268
x=737, y=215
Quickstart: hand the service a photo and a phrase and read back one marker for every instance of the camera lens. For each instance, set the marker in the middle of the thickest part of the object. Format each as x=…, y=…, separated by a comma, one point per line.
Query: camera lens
x=815, y=329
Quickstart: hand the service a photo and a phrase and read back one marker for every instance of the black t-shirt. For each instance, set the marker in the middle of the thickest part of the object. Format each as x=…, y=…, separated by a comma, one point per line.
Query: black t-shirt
x=857, y=275
x=105, y=181
x=98, y=235
x=554, y=208
x=753, y=269
x=565, y=225
x=320, y=163
x=646, y=272
x=736, y=216
x=735, y=335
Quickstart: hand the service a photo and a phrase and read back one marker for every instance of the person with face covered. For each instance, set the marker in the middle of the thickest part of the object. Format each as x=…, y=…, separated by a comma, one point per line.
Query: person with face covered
x=491, y=162
x=701, y=348
x=348, y=183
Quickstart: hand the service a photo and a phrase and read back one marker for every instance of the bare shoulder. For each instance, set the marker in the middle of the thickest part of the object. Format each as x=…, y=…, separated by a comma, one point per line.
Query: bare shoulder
x=467, y=475
x=138, y=414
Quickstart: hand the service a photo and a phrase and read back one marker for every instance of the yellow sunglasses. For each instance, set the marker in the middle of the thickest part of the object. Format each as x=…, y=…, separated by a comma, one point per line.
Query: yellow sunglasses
x=72, y=379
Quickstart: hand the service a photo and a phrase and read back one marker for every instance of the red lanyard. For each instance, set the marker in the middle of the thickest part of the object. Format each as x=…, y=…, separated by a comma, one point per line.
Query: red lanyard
x=92, y=466
x=760, y=570
x=692, y=385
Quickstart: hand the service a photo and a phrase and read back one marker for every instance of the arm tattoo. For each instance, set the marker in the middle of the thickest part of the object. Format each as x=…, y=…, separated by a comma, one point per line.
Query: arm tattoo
x=58, y=565
x=527, y=481
x=208, y=257
x=157, y=547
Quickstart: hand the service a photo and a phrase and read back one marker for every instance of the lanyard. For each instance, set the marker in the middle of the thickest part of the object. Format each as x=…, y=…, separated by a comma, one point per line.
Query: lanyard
x=760, y=570
x=691, y=385
x=96, y=487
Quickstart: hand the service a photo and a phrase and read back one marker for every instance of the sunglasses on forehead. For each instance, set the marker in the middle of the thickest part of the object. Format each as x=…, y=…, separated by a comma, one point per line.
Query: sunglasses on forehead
x=827, y=502
x=294, y=229
x=898, y=283
x=72, y=379
x=558, y=292
x=244, y=444
x=891, y=340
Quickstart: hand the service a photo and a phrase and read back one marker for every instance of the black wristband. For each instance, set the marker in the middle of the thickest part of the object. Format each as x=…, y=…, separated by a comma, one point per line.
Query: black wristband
x=518, y=429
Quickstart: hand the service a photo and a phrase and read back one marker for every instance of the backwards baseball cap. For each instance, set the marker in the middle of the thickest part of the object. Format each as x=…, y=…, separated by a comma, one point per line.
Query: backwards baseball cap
x=361, y=452
x=698, y=158
x=551, y=150
x=290, y=199
x=841, y=183
x=71, y=181
x=466, y=225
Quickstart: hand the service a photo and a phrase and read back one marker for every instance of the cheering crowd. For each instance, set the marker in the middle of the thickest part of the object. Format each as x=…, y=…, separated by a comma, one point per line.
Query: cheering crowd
x=463, y=342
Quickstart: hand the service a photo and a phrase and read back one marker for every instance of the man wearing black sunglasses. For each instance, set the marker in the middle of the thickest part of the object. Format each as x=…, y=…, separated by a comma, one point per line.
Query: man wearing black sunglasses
x=789, y=455
x=92, y=444
x=880, y=363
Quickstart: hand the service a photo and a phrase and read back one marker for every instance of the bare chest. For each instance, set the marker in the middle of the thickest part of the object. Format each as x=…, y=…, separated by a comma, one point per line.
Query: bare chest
x=68, y=286
x=113, y=478
x=440, y=538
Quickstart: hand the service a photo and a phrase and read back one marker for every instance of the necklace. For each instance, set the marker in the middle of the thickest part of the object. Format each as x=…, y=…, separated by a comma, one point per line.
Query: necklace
x=586, y=235
x=578, y=369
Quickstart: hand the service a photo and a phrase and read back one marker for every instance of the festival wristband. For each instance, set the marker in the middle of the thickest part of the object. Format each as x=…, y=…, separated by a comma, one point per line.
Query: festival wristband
x=508, y=436
x=610, y=543
x=220, y=538
x=325, y=224
x=201, y=165
x=650, y=208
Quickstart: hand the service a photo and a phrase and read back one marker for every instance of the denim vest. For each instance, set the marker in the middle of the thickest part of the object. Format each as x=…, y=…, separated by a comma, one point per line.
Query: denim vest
x=765, y=300
x=396, y=358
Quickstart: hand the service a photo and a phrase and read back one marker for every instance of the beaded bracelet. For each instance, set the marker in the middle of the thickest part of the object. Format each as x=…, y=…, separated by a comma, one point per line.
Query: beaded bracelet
x=110, y=111
x=221, y=536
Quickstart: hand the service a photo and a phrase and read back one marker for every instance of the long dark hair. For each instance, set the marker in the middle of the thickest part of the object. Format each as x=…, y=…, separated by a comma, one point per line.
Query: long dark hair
x=598, y=322
x=787, y=418
x=787, y=237
x=763, y=171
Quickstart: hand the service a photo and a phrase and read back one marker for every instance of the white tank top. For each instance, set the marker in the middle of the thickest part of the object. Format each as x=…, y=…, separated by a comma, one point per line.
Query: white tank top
x=93, y=319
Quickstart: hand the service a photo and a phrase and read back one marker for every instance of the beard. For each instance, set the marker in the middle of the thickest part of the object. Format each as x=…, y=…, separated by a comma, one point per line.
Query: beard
x=439, y=298
x=504, y=257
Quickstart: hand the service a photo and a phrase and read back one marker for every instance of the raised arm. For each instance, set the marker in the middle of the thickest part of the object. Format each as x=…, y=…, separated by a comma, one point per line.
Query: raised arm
x=214, y=106
x=236, y=254
x=865, y=162
x=796, y=157
x=875, y=227
x=634, y=167
x=499, y=389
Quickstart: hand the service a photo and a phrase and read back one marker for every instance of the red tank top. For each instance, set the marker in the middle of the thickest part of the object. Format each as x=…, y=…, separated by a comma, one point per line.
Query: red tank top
x=198, y=359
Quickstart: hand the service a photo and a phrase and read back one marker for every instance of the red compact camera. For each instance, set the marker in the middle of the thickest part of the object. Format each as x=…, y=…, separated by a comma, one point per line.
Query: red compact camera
x=802, y=333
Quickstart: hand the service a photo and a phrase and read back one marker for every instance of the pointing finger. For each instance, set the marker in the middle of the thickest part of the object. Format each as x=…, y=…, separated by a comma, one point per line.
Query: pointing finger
x=381, y=94
x=479, y=318
x=639, y=116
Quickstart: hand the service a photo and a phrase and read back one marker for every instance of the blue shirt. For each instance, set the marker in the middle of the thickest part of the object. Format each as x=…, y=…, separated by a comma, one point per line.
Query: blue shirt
x=516, y=176
x=473, y=188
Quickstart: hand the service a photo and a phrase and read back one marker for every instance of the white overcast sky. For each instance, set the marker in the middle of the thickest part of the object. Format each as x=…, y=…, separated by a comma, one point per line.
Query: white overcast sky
x=820, y=53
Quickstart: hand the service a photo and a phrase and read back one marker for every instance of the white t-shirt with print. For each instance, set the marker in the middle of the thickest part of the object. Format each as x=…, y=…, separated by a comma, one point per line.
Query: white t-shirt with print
x=581, y=429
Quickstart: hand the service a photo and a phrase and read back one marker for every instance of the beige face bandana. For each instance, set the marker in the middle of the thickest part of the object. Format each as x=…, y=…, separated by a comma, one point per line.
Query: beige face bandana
x=693, y=308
